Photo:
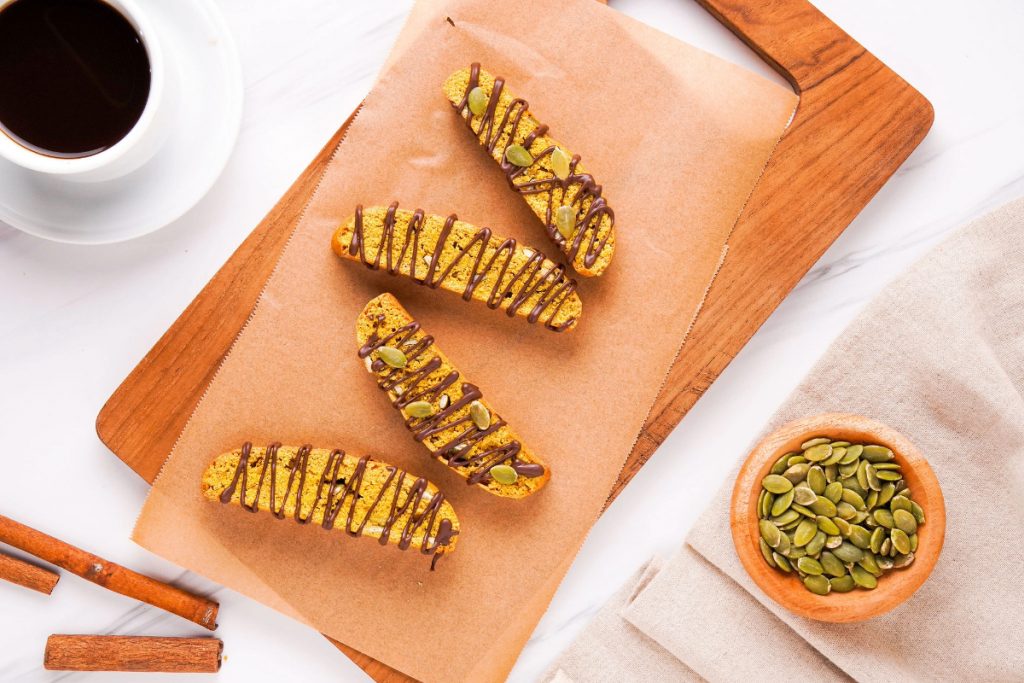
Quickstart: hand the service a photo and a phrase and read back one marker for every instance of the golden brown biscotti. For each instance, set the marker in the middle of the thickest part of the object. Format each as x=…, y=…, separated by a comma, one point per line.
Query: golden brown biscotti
x=552, y=180
x=335, y=491
x=442, y=410
x=444, y=252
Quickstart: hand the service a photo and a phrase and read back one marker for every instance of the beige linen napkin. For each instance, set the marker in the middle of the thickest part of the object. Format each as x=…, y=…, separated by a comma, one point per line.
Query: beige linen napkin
x=939, y=355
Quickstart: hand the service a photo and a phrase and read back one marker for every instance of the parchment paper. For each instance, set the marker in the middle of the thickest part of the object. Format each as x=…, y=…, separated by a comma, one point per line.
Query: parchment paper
x=677, y=138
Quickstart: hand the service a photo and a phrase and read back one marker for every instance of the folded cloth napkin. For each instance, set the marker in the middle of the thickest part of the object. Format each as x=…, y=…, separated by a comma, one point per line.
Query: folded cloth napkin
x=939, y=355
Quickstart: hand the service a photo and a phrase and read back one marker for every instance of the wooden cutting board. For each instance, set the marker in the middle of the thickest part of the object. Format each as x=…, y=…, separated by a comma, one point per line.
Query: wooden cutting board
x=855, y=124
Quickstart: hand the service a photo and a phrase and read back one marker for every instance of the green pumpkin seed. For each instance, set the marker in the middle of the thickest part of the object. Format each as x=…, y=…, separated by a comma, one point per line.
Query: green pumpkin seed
x=816, y=480
x=872, y=500
x=847, y=552
x=775, y=484
x=851, y=484
x=560, y=163
x=860, y=517
x=824, y=506
x=863, y=577
x=482, y=419
x=788, y=517
x=504, y=474
x=809, y=565
x=794, y=553
x=884, y=563
x=764, y=503
x=848, y=470
x=818, y=453
x=887, y=466
x=905, y=521
x=478, y=101
x=806, y=512
x=886, y=548
x=900, y=503
x=420, y=409
x=840, y=444
x=802, y=495
x=831, y=564
x=766, y=552
x=843, y=526
x=877, y=454
x=874, y=483
x=852, y=454
x=860, y=537
x=785, y=545
x=827, y=525
x=816, y=544
x=796, y=473
x=869, y=563
x=834, y=492
x=831, y=473
x=842, y=584
x=886, y=494
x=813, y=442
x=780, y=465
x=846, y=511
x=796, y=459
x=917, y=511
x=913, y=543
x=888, y=475
x=392, y=357
x=565, y=221
x=804, y=533
x=518, y=155
x=862, y=475
x=900, y=541
x=903, y=560
x=782, y=503
x=782, y=563
x=818, y=585
x=853, y=498
x=878, y=537
x=833, y=542
x=883, y=517
x=837, y=455
x=790, y=526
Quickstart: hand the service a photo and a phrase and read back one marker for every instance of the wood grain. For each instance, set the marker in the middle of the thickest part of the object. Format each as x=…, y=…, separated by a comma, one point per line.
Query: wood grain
x=855, y=124
x=897, y=585
x=132, y=653
x=27, y=575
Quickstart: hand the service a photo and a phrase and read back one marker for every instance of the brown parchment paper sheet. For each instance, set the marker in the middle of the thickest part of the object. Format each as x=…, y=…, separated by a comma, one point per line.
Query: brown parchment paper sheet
x=676, y=136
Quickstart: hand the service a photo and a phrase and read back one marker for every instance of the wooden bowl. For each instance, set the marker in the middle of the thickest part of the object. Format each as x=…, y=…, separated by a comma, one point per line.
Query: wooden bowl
x=786, y=589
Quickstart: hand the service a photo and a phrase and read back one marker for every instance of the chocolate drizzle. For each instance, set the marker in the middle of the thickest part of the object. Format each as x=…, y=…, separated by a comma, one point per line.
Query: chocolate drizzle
x=461, y=447
x=590, y=206
x=339, y=494
x=550, y=285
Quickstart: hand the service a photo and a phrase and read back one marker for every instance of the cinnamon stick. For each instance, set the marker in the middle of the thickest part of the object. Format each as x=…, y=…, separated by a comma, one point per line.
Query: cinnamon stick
x=28, y=575
x=133, y=653
x=111, y=576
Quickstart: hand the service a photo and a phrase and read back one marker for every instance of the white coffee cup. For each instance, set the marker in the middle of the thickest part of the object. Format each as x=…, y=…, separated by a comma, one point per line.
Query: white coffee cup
x=141, y=142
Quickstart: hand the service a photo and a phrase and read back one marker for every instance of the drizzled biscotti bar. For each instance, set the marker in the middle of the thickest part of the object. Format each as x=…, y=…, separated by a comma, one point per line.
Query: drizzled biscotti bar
x=444, y=412
x=552, y=180
x=333, y=490
x=446, y=253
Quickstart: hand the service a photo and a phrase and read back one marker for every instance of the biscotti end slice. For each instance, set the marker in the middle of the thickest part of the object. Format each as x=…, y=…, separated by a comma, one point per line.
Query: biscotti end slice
x=335, y=491
x=443, y=410
x=444, y=252
x=586, y=231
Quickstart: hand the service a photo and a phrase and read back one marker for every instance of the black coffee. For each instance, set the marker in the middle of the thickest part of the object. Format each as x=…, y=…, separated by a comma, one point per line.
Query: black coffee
x=74, y=76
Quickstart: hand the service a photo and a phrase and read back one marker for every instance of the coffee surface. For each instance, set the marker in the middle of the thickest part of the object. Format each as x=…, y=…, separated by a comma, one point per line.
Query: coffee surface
x=74, y=76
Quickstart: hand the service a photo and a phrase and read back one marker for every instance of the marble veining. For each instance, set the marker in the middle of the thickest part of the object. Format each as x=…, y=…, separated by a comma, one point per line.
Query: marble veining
x=73, y=321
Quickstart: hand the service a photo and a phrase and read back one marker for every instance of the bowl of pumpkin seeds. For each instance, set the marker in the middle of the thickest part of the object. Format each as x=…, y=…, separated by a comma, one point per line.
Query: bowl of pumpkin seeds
x=837, y=517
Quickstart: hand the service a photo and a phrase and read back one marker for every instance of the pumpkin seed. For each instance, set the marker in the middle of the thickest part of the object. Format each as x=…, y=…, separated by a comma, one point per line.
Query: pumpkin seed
x=860, y=537
x=817, y=584
x=816, y=544
x=884, y=563
x=905, y=521
x=900, y=541
x=903, y=560
x=874, y=483
x=478, y=101
x=840, y=444
x=831, y=564
x=780, y=465
x=818, y=452
x=886, y=494
x=518, y=155
x=504, y=474
x=796, y=459
x=917, y=511
x=813, y=442
x=846, y=511
x=913, y=543
x=809, y=565
x=805, y=532
x=816, y=480
x=824, y=506
x=788, y=517
x=852, y=484
x=482, y=417
x=782, y=503
x=862, y=475
x=565, y=221
x=837, y=455
x=802, y=495
x=444, y=402
x=831, y=473
x=843, y=526
x=869, y=563
x=900, y=503
x=782, y=563
x=834, y=491
x=560, y=163
x=860, y=517
x=847, y=552
x=883, y=517
x=806, y=512
x=827, y=525
x=785, y=545
x=766, y=552
x=392, y=357
x=877, y=453
x=863, y=577
x=872, y=500
x=848, y=470
x=764, y=503
x=878, y=537
x=792, y=552
x=773, y=482
x=842, y=584
x=852, y=453
x=833, y=542
x=888, y=475
x=853, y=498
x=796, y=473
x=420, y=409
x=887, y=466
x=886, y=545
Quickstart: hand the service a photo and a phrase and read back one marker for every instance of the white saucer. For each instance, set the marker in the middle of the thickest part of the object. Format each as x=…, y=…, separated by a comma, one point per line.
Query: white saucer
x=208, y=102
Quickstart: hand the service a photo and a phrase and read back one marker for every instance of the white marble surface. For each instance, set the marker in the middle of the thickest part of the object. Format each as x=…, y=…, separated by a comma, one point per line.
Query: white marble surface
x=74, y=320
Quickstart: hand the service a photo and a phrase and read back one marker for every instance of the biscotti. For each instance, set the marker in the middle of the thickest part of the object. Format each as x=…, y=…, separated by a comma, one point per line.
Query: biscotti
x=444, y=252
x=335, y=491
x=443, y=411
x=552, y=180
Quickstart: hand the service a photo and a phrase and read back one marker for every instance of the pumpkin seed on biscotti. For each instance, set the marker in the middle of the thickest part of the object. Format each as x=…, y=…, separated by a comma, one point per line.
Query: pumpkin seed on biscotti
x=480, y=415
x=518, y=155
x=504, y=474
x=392, y=357
x=817, y=584
x=478, y=101
x=420, y=409
x=565, y=221
x=776, y=484
x=560, y=163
